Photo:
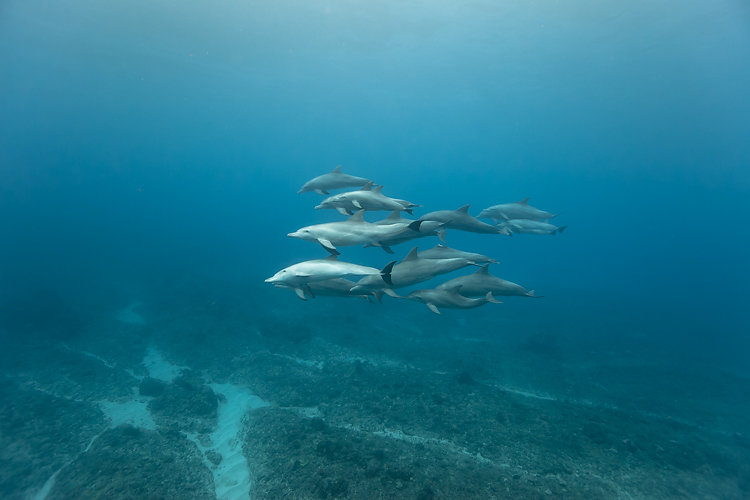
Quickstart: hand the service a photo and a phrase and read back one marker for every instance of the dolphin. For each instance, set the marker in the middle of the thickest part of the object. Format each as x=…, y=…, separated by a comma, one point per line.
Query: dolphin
x=531, y=227
x=449, y=298
x=353, y=231
x=368, y=198
x=299, y=276
x=332, y=180
x=411, y=270
x=444, y=252
x=518, y=210
x=481, y=282
x=428, y=228
x=460, y=219
x=334, y=287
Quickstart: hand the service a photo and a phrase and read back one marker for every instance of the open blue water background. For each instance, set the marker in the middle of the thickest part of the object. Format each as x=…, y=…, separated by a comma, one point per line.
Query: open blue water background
x=140, y=140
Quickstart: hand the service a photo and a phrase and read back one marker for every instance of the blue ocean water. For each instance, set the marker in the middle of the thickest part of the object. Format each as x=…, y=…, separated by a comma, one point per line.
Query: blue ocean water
x=150, y=153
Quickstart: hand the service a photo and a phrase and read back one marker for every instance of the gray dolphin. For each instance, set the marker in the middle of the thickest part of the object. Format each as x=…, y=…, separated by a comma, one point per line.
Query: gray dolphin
x=460, y=219
x=411, y=270
x=450, y=298
x=353, y=231
x=428, y=228
x=518, y=210
x=334, y=287
x=368, y=198
x=332, y=180
x=299, y=276
x=444, y=252
x=531, y=227
x=481, y=282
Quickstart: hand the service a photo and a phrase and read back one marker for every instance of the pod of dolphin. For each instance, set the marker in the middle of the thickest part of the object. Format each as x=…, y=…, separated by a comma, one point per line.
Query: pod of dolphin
x=328, y=276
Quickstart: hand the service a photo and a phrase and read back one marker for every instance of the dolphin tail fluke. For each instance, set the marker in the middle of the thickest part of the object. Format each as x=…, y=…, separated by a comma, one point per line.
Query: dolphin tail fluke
x=561, y=229
x=531, y=294
x=385, y=273
x=492, y=299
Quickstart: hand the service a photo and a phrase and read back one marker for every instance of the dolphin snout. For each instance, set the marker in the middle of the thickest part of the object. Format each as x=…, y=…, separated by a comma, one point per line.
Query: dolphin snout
x=319, y=207
x=293, y=235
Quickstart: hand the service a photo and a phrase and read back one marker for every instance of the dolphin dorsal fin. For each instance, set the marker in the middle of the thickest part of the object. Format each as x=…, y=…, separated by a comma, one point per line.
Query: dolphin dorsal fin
x=464, y=209
x=367, y=187
x=411, y=255
x=332, y=257
x=377, y=189
x=525, y=201
x=336, y=169
x=395, y=216
x=485, y=269
x=359, y=216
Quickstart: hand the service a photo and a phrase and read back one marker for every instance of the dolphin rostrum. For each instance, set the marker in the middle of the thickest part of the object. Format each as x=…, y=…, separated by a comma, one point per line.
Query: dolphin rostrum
x=411, y=270
x=353, y=231
x=332, y=180
x=531, y=227
x=518, y=210
x=368, y=198
x=460, y=219
x=299, y=276
x=444, y=252
x=481, y=282
x=450, y=298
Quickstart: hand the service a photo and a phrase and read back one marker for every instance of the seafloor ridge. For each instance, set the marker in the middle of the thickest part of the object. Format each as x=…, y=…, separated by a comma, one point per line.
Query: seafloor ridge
x=220, y=393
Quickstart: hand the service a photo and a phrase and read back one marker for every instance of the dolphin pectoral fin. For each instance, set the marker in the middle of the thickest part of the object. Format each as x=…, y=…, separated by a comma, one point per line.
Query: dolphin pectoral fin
x=433, y=307
x=492, y=299
x=441, y=234
x=378, y=296
x=391, y=293
x=308, y=290
x=387, y=249
x=357, y=205
x=328, y=246
x=300, y=293
x=342, y=211
x=409, y=211
x=322, y=191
